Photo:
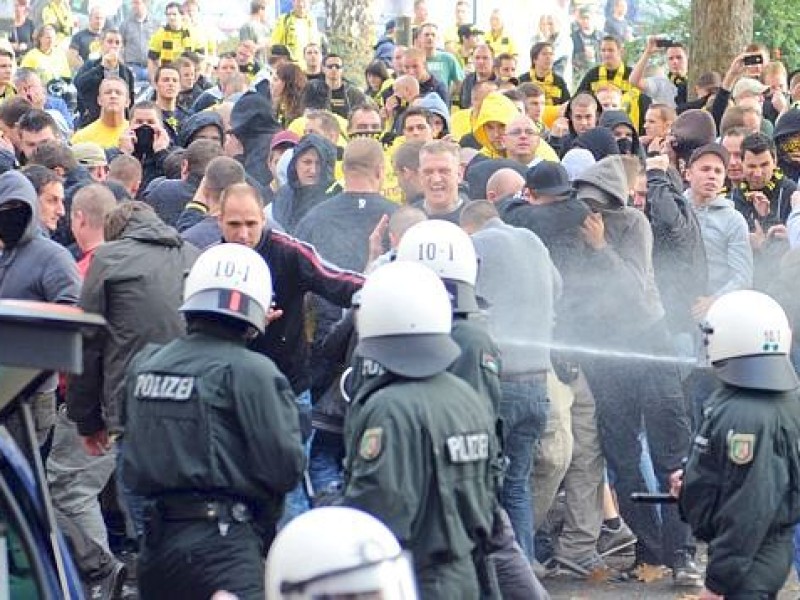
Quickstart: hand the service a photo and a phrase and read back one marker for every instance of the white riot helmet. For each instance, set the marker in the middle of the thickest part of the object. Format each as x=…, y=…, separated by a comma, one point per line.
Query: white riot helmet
x=337, y=551
x=232, y=280
x=747, y=339
x=404, y=320
x=446, y=249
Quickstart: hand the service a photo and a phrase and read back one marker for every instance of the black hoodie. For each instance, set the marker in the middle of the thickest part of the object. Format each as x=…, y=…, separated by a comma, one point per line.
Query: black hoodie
x=253, y=123
x=611, y=119
x=293, y=201
x=191, y=126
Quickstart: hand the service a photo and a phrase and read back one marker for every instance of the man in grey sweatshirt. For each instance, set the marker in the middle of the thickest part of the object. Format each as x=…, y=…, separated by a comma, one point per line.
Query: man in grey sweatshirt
x=521, y=319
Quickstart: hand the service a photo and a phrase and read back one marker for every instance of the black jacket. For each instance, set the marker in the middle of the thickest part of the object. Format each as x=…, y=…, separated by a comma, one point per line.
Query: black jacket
x=253, y=123
x=87, y=82
x=740, y=490
x=136, y=283
x=296, y=269
x=318, y=95
x=168, y=197
x=236, y=432
x=558, y=225
x=679, y=256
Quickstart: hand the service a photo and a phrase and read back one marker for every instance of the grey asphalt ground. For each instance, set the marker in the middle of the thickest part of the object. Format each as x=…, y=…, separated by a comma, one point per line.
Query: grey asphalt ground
x=565, y=587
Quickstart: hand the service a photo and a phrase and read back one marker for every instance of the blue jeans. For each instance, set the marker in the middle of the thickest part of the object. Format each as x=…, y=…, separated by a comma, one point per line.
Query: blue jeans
x=325, y=462
x=523, y=408
x=297, y=500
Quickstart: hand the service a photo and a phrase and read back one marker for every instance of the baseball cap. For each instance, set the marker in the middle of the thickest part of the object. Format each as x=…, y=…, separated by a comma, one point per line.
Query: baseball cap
x=548, y=178
x=279, y=51
x=284, y=138
x=748, y=85
x=713, y=148
x=391, y=25
x=89, y=154
x=465, y=31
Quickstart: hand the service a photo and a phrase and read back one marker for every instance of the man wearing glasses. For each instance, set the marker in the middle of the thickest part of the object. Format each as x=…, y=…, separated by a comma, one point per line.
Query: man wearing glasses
x=333, y=93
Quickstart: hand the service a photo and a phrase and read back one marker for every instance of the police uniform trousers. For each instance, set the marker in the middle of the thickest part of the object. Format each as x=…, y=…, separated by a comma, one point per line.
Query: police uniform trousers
x=454, y=579
x=192, y=559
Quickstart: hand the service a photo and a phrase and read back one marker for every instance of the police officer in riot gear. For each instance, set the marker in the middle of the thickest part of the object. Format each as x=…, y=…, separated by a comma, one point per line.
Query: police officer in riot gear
x=740, y=490
x=338, y=552
x=212, y=437
x=420, y=443
x=448, y=250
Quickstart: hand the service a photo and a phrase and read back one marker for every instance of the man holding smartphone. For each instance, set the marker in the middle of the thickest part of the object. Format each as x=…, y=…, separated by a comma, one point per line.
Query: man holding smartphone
x=669, y=89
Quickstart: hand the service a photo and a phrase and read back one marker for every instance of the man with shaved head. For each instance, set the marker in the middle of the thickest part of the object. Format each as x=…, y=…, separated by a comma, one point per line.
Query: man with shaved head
x=504, y=183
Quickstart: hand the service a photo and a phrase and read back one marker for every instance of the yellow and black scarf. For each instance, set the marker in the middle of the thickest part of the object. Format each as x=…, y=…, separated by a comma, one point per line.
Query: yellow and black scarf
x=630, y=93
x=774, y=182
x=552, y=92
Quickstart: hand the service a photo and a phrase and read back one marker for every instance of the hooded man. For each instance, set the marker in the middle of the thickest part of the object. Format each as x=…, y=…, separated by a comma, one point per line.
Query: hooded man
x=441, y=115
x=205, y=125
x=629, y=390
x=32, y=267
x=787, y=141
x=309, y=179
x=253, y=123
x=496, y=112
x=621, y=126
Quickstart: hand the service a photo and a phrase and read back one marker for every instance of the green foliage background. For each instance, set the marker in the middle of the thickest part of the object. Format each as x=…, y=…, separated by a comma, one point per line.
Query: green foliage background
x=774, y=25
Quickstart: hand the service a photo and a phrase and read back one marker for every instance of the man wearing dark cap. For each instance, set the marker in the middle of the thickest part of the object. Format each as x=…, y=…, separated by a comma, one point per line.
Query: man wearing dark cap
x=724, y=229
x=727, y=248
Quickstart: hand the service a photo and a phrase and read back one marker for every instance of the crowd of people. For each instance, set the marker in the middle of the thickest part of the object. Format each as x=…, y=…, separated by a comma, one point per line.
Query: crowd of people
x=582, y=217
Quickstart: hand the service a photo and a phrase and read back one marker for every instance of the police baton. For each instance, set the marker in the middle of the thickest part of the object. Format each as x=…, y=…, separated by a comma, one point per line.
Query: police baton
x=647, y=498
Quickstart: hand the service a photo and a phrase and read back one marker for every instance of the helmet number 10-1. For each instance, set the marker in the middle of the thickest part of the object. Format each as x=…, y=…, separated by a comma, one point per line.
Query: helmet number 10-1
x=430, y=251
x=229, y=270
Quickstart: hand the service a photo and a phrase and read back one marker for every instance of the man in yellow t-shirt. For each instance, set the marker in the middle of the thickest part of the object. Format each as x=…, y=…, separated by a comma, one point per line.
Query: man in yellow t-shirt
x=170, y=41
x=106, y=131
x=296, y=30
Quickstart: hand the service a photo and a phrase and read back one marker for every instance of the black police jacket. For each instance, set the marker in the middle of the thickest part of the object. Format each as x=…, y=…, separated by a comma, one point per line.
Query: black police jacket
x=207, y=415
x=741, y=489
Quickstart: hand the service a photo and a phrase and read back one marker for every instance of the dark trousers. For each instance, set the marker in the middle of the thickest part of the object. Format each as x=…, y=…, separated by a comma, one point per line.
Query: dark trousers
x=630, y=394
x=192, y=559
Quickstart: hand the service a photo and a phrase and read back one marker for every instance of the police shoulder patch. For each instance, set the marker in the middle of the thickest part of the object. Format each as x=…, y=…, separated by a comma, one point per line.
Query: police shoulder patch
x=741, y=447
x=371, y=443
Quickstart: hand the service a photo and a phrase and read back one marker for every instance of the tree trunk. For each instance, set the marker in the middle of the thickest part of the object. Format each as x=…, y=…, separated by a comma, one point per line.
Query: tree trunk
x=351, y=34
x=720, y=31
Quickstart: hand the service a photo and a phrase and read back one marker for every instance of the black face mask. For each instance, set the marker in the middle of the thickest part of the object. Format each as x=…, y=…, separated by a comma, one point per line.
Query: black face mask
x=625, y=145
x=13, y=223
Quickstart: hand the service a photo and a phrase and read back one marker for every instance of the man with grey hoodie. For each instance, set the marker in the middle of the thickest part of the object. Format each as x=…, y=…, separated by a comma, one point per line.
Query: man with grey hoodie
x=32, y=267
x=623, y=328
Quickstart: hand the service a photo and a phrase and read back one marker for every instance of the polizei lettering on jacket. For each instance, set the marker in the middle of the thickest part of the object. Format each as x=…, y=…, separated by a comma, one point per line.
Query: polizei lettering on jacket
x=469, y=447
x=164, y=387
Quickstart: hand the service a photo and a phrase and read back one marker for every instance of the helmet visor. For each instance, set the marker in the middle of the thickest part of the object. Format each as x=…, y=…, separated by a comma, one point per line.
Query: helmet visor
x=770, y=372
